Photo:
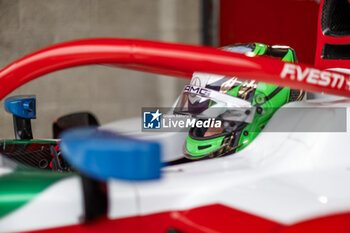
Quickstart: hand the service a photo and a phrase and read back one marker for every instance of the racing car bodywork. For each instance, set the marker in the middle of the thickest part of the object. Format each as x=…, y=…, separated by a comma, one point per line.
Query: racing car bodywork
x=284, y=181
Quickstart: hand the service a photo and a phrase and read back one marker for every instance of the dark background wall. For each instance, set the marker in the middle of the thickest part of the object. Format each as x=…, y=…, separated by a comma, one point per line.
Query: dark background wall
x=112, y=94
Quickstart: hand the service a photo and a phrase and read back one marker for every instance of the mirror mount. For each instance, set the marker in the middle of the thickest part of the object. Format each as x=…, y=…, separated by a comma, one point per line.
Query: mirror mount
x=23, y=109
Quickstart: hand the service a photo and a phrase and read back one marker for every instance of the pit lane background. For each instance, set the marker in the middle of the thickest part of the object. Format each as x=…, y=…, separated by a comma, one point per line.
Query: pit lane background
x=28, y=25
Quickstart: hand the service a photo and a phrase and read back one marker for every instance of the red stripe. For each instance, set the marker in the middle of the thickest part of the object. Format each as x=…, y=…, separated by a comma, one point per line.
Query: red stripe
x=130, y=224
x=208, y=219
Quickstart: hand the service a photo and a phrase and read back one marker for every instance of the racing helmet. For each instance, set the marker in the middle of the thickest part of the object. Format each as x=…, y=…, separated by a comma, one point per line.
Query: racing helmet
x=243, y=107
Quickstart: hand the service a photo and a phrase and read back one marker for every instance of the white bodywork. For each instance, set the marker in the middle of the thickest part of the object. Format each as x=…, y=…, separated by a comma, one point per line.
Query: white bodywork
x=61, y=204
x=287, y=177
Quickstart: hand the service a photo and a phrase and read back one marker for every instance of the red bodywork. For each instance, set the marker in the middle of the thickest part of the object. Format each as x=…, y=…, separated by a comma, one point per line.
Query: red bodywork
x=322, y=40
x=207, y=219
x=286, y=22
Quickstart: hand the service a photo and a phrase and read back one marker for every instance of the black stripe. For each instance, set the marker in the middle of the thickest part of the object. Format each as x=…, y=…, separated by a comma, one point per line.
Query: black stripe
x=278, y=89
x=278, y=52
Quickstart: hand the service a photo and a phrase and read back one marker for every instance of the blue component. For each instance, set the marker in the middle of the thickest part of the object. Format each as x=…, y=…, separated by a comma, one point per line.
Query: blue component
x=104, y=155
x=22, y=106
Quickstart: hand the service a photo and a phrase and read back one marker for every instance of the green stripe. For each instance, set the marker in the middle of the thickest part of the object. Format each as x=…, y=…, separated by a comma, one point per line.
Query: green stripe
x=41, y=141
x=260, y=49
x=20, y=187
x=289, y=57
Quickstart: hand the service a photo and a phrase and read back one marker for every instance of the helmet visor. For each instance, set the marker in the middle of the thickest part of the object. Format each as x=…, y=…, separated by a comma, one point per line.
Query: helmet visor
x=204, y=103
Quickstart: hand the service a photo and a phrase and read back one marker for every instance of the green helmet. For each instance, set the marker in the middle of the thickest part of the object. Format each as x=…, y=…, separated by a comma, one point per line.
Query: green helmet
x=243, y=107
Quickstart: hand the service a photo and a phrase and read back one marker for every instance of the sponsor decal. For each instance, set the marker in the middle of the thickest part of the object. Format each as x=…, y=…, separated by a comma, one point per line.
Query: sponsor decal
x=246, y=89
x=228, y=85
x=196, y=82
x=197, y=90
x=315, y=76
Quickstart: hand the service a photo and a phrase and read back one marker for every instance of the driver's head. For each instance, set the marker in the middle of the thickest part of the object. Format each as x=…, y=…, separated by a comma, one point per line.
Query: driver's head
x=243, y=107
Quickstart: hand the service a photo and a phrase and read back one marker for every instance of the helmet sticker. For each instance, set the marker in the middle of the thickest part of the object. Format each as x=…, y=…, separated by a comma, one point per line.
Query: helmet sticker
x=228, y=85
x=196, y=81
x=246, y=89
